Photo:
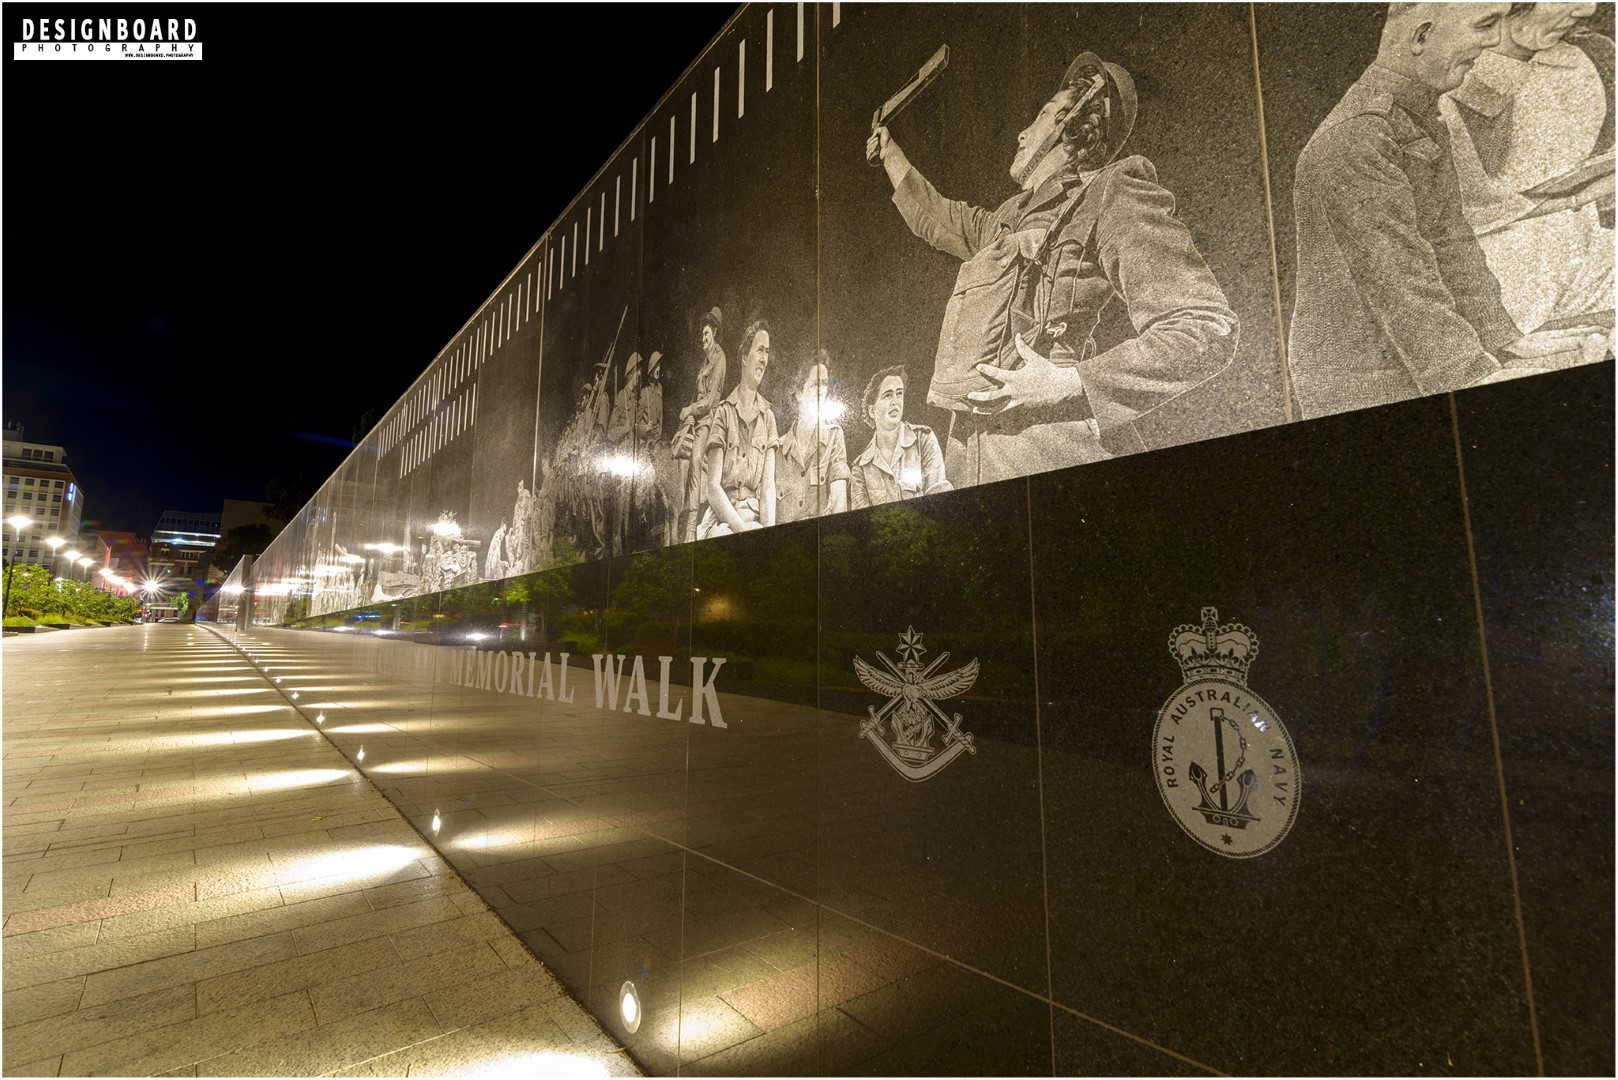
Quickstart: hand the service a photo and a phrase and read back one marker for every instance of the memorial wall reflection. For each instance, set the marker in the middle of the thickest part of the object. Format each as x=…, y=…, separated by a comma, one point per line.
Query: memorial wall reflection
x=807, y=702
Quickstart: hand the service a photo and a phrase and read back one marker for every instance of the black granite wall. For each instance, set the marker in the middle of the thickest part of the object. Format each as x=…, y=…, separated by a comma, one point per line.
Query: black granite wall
x=1271, y=747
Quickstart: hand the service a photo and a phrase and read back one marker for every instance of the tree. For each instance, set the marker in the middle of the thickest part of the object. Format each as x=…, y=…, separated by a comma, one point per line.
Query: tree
x=249, y=539
x=287, y=495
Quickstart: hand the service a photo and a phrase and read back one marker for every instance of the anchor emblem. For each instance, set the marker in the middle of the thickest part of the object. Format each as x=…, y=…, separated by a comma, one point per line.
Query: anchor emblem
x=1246, y=803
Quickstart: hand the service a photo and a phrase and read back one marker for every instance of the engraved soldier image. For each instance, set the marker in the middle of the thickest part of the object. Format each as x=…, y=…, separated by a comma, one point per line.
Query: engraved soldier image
x=1224, y=763
x=811, y=471
x=740, y=448
x=690, y=438
x=1395, y=298
x=902, y=461
x=1018, y=364
x=1531, y=130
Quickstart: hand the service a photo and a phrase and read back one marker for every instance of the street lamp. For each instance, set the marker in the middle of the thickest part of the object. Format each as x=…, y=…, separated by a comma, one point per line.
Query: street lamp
x=19, y=522
x=56, y=543
x=72, y=555
x=85, y=562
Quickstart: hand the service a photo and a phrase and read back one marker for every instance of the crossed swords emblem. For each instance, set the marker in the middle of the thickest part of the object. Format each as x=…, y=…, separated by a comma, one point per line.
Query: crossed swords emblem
x=911, y=690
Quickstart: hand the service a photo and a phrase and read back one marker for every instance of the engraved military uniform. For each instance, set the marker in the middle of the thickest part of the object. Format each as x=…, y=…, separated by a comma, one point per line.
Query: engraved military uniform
x=1394, y=299
x=807, y=468
x=917, y=469
x=747, y=440
x=1121, y=240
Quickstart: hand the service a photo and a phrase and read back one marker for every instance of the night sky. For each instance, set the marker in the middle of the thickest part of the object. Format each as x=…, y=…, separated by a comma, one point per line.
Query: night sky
x=213, y=270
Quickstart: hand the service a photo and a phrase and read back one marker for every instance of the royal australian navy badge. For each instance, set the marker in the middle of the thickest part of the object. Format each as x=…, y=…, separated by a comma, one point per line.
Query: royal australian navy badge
x=1225, y=765
x=912, y=734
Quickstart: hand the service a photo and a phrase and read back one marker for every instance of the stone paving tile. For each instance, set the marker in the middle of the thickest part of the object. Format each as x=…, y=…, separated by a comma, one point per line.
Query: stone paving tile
x=314, y=888
x=271, y=920
x=415, y=889
x=25, y=971
x=189, y=913
x=361, y=993
x=44, y=1067
x=107, y=1022
x=187, y=968
x=170, y=908
x=294, y=973
x=37, y=1002
x=181, y=1045
x=98, y=906
x=492, y=995
x=46, y=861
x=518, y=1043
x=475, y=929
x=330, y=1047
x=53, y=940
x=372, y=924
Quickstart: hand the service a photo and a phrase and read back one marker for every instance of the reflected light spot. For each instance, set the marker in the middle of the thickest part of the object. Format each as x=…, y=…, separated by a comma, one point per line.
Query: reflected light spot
x=911, y=476
x=221, y=738
x=361, y=755
x=240, y=710
x=629, y=1006
x=617, y=465
x=438, y=823
x=352, y=864
x=393, y=767
x=548, y=1064
x=295, y=778
x=484, y=841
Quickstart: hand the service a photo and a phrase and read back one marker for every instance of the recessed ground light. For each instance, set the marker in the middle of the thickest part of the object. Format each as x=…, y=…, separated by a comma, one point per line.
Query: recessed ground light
x=320, y=718
x=437, y=823
x=629, y=1006
x=361, y=755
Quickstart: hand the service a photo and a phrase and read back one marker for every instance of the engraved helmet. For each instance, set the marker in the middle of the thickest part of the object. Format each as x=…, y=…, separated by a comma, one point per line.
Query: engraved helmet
x=1097, y=126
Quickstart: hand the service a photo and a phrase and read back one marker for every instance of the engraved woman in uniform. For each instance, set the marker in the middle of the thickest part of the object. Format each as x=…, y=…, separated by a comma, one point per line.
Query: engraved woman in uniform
x=692, y=434
x=812, y=468
x=902, y=460
x=741, y=448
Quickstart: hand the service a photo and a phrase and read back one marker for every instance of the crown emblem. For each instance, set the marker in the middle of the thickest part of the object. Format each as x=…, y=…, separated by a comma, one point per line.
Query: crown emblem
x=1214, y=651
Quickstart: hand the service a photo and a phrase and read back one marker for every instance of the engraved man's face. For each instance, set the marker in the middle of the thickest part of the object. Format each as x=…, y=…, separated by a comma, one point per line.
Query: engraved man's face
x=1455, y=36
x=707, y=336
x=889, y=407
x=1545, y=25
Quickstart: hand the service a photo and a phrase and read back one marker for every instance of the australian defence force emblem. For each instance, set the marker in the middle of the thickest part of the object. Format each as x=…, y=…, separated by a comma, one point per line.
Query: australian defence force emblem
x=1225, y=765
x=913, y=734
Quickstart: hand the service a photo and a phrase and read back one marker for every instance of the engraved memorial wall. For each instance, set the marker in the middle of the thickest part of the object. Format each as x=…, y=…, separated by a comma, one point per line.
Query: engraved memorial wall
x=1011, y=540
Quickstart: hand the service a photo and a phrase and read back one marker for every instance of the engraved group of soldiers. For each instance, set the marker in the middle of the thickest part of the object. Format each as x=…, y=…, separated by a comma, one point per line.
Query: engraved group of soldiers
x=1453, y=227
x=609, y=473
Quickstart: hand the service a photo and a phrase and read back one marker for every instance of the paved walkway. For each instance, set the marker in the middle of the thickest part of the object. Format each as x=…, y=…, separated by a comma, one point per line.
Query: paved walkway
x=197, y=884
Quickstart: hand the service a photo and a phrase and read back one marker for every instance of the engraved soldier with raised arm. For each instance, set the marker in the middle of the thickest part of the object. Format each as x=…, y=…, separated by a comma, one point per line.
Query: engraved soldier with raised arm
x=1018, y=364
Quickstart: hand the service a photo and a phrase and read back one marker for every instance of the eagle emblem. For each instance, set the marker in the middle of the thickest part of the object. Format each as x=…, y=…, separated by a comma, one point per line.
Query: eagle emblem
x=912, y=720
